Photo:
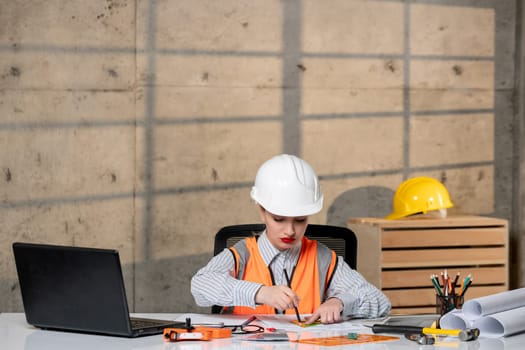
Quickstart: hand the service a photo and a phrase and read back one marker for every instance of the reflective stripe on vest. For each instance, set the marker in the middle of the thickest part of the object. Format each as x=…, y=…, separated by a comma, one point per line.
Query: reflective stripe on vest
x=309, y=281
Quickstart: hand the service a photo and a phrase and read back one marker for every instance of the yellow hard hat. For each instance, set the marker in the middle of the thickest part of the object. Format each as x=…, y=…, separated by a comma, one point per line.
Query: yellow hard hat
x=419, y=195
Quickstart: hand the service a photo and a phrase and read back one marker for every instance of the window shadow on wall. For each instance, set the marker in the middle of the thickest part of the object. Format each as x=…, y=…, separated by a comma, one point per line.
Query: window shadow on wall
x=367, y=201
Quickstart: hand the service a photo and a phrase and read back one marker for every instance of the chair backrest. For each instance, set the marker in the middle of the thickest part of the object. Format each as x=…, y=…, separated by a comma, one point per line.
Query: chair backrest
x=340, y=239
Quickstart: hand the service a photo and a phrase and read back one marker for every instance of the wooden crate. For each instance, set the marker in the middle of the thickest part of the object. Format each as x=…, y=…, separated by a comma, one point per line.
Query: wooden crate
x=398, y=256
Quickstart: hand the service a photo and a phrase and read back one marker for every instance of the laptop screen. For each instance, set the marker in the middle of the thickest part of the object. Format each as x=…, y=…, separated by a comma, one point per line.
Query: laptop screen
x=72, y=288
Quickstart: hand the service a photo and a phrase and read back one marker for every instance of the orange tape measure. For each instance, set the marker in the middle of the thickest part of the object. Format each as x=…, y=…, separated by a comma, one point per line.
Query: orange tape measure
x=196, y=333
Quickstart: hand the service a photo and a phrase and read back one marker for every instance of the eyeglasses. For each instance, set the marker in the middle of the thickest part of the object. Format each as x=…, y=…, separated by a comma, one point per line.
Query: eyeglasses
x=245, y=329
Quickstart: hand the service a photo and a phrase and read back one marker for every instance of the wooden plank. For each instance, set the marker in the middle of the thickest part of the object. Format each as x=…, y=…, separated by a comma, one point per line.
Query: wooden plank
x=444, y=237
x=451, y=221
x=427, y=296
x=443, y=257
x=421, y=278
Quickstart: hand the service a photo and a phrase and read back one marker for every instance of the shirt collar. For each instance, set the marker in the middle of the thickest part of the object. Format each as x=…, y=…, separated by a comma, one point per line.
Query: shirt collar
x=269, y=252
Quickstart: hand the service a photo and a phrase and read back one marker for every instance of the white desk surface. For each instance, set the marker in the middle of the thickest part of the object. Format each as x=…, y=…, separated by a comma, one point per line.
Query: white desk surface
x=16, y=334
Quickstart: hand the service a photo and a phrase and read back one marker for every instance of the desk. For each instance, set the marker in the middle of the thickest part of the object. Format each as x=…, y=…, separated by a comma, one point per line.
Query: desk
x=16, y=334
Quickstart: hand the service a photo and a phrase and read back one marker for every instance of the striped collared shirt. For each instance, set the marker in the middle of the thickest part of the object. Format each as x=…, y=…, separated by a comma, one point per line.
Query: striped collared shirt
x=215, y=283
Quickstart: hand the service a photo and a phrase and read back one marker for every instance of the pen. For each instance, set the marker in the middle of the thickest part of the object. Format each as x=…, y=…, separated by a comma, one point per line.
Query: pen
x=456, y=279
x=466, y=287
x=464, y=284
x=290, y=286
x=435, y=282
x=455, y=283
x=469, y=276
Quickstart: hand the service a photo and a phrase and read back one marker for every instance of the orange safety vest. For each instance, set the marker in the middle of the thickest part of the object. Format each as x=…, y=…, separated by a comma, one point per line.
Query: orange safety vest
x=310, y=279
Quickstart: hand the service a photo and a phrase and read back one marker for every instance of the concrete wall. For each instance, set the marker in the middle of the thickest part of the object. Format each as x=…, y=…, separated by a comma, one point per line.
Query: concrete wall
x=139, y=125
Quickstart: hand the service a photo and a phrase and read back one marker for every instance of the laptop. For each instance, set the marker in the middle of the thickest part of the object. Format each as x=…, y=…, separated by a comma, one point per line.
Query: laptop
x=78, y=289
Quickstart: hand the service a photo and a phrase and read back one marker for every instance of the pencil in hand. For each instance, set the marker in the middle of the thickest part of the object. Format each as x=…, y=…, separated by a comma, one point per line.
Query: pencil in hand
x=290, y=286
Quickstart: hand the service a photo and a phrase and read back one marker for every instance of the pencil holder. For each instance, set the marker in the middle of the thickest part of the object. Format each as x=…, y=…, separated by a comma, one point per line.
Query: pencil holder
x=446, y=303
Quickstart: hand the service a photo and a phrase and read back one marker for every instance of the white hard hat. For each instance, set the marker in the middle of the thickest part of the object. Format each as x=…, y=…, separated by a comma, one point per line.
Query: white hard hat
x=288, y=186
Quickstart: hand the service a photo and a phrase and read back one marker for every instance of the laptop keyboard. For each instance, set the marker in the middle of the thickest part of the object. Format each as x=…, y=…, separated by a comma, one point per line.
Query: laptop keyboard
x=137, y=323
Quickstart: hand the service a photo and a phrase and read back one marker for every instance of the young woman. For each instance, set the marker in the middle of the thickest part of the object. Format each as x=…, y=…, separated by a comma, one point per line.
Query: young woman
x=253, y=276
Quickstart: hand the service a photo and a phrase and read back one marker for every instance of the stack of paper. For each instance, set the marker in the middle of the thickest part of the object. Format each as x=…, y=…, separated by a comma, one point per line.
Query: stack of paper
x=497, y=315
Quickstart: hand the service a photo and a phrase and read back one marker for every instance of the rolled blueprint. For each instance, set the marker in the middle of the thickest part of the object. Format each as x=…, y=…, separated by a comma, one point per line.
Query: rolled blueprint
x=497, y=315
x=494, y=303
x=502, y=324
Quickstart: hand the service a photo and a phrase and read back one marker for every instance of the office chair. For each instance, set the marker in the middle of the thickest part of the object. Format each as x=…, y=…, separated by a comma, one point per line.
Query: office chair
x=340, y=239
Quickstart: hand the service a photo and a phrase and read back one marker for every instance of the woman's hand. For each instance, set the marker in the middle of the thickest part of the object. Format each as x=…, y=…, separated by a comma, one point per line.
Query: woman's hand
x=327, y=312
x=279, y=297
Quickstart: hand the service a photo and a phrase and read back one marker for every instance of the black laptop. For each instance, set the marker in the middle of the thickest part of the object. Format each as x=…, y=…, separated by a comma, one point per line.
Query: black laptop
x=78, y=289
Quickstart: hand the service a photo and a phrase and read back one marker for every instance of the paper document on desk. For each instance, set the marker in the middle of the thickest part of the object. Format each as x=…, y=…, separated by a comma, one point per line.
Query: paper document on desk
x=284, y=322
